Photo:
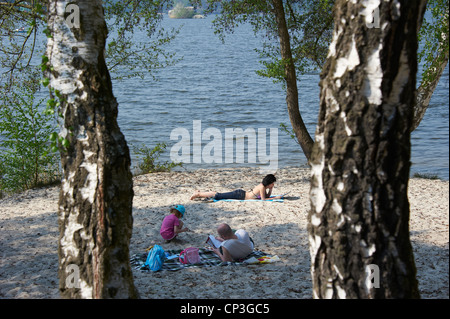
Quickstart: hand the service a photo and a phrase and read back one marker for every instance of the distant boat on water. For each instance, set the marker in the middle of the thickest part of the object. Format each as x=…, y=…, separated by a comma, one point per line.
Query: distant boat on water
x=182, y=12
x=21, y=30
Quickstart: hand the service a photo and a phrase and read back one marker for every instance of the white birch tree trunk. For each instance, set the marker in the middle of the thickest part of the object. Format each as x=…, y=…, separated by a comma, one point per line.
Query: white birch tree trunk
x=95, y=206
x=359, y=218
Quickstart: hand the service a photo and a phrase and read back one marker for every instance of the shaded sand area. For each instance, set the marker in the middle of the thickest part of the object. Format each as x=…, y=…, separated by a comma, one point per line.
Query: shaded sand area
x=29, y=232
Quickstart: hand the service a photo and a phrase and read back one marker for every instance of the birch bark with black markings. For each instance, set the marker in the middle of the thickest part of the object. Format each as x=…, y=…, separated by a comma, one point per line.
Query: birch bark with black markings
x=361, y=157
x=95, y=205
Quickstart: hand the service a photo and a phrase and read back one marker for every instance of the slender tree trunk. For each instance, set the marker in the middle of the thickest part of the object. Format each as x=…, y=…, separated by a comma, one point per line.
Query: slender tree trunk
x=426, y=90
x=432, y=77
x=303, y=137
x=359, y=219
x=95, y=205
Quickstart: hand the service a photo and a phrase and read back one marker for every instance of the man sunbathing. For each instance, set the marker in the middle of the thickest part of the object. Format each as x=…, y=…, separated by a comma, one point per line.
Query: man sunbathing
x=234, y=245
x=261, y=191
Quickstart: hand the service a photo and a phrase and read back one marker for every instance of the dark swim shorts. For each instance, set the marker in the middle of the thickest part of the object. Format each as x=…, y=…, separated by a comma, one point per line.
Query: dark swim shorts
x=237, y=194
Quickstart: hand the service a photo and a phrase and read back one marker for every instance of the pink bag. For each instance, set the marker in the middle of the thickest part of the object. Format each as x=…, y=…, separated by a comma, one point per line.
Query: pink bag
x=190, y=256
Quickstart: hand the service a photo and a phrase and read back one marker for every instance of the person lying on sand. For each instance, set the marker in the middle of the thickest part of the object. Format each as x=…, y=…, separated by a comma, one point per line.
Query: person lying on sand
x=235, y=245
x=261, y=191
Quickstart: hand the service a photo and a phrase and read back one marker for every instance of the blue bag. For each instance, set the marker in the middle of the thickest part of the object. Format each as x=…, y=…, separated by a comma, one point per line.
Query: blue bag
x=155, y=258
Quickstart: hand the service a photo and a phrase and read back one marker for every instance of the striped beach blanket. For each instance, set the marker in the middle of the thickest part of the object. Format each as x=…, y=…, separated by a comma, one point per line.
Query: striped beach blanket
x=207, y=259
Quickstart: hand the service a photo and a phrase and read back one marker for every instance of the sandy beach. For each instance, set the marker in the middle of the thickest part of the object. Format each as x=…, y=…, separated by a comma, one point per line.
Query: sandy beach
x=29, y=232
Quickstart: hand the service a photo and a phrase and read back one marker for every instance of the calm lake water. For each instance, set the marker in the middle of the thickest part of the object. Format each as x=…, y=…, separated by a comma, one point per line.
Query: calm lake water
x=215, y=88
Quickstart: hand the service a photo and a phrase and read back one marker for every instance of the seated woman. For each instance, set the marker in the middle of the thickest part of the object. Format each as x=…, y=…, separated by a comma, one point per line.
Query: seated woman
x=261, y=191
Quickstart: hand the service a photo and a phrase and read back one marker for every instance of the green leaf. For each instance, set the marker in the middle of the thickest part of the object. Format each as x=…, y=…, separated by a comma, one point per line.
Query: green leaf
x=51, y=103
x=45, y=82
x=47, y=32
x=49, y=111
x=65, y=143
x=53, y=136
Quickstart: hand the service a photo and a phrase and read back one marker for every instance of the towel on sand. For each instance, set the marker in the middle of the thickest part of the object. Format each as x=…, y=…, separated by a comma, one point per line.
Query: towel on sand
x=250, y=200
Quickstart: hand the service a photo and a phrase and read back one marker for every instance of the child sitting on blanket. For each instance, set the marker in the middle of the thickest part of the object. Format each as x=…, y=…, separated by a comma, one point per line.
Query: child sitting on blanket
x=259, y=192
x=172, y=225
